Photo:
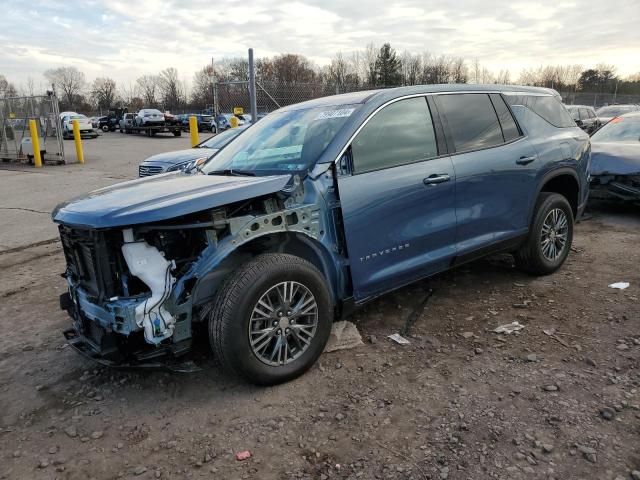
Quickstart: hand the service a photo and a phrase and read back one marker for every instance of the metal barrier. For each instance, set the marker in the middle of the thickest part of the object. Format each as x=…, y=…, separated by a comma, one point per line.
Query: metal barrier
x=15, y=137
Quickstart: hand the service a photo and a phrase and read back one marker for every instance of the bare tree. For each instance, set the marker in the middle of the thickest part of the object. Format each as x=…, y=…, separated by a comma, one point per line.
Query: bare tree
x=203, y=81
x=7, y=89
x=68, y=80
x=338, y=71
x=171, y=88
x=411, y=68
x=149, y=86
x=103, y=92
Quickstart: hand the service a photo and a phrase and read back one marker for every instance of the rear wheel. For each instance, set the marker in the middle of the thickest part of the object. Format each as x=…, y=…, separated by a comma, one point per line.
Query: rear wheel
x=550, y=236
x=177, y=133
x=271, y=319
x=105, y=128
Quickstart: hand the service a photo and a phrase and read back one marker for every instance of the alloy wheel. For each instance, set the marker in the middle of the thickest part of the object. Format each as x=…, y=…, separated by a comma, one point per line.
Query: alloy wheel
x=555, y=231
x=283, y=323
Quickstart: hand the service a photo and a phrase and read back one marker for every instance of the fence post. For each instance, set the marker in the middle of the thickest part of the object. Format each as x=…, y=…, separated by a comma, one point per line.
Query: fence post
x=193, y=131
x=35, y=143
x=78, y=141
x=252, y=88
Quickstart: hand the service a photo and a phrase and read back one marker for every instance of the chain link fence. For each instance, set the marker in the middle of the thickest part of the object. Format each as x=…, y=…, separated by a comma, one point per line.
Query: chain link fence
x=15, y=136
x=272, y=95
x=597, y=100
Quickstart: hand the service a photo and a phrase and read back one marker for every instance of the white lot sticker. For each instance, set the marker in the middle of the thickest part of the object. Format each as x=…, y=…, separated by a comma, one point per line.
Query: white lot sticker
x=343, y=112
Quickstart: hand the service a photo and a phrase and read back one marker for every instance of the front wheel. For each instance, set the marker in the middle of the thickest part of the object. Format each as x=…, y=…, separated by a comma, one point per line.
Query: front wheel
x=550, y=236
x=271, y=319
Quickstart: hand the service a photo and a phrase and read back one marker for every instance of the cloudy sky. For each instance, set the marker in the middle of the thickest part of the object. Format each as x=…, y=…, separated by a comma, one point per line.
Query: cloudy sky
x=124, y=39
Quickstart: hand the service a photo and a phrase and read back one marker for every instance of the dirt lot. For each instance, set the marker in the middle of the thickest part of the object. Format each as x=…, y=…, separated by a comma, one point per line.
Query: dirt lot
x=459, y=402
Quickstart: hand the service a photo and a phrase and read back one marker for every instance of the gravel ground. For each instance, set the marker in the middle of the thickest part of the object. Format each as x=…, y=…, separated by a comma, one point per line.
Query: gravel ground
x=459, y=402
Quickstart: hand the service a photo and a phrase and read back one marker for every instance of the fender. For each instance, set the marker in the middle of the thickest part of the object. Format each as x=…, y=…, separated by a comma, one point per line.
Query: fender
x=301, y=226
x=556, y=172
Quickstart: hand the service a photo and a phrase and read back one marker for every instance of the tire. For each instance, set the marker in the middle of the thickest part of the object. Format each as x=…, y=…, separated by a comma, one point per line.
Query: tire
x=532, y=257
x=177, y=133
x=233, y=314
x=105, y=128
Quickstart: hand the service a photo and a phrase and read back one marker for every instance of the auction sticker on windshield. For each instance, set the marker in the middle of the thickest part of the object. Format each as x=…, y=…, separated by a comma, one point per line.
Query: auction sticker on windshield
x=343, y=112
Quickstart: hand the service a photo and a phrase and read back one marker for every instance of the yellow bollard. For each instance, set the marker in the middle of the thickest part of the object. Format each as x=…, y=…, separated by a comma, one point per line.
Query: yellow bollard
x=78, y=139
x=234, y=121
x=193, y=131
x=35, y=143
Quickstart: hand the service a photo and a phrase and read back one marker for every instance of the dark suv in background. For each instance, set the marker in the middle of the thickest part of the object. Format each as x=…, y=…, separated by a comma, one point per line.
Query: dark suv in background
x=585, y=117
x=316, y=208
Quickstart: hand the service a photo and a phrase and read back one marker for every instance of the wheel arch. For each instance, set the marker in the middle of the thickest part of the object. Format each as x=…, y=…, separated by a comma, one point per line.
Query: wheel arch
x=292, y=243
x=565, y=182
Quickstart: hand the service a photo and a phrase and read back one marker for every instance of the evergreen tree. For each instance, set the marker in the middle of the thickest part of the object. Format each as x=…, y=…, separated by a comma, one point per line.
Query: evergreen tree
x=388, y=67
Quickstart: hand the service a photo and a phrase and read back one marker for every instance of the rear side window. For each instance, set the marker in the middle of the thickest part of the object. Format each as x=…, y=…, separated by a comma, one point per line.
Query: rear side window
x=472, y=120
x=509, y=128
x=398, y=134
x=546, y=106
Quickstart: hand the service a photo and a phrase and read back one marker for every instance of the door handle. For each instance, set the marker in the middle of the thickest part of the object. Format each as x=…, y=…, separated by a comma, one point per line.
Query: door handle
x=525, y=160
x=436, y=178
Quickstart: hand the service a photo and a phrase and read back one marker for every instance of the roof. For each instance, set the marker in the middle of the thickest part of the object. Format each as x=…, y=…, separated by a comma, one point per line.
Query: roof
x=578, y=106
x=391, y=93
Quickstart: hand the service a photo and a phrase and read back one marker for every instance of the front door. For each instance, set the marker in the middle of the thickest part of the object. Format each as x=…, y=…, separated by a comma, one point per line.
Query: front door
x=398, y=202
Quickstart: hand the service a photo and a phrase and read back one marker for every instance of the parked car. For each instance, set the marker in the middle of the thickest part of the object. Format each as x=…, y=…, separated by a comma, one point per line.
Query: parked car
x=149, y=117
x=86, y=129
x=585, y=117
x=205, y=122
x=107, y=123
x=170, y=119
x=126, y=122
x=186, y=160
x=608, y=112
x=222, y=122
x=227, y=117
x=316, y=208
x=615, y=159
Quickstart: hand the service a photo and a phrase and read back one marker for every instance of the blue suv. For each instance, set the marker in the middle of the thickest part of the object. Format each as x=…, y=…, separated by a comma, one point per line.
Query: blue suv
x=319, y=207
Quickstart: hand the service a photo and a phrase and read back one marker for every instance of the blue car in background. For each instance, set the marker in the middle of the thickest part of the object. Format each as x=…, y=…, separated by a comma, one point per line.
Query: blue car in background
x=185, y=160
x=316, y=208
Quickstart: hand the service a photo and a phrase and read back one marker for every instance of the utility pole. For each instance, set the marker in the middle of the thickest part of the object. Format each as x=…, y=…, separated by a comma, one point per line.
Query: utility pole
x=252, y=88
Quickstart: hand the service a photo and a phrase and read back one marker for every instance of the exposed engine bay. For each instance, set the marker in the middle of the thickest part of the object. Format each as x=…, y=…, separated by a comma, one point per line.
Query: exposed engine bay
x=135, y=292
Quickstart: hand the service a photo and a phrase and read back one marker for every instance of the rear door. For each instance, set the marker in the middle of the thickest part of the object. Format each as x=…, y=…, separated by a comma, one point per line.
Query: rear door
x=397, y=199
x=496, y=169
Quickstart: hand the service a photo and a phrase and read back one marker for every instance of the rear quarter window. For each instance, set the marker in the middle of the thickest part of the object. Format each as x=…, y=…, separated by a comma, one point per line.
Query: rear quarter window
x=545, y=106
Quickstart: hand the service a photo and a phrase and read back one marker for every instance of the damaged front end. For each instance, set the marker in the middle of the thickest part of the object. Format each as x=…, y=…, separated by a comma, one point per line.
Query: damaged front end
x=615, y=172
x=135, y=292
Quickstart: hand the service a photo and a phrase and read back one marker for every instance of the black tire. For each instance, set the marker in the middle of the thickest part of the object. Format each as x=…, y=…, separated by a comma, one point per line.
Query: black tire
x=229, y=319
x=105, y=128
x=177, y=133
x=530, y=257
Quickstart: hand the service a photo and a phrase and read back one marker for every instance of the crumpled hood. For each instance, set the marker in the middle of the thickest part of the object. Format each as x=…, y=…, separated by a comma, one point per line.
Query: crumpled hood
x=173, y=158
x=162, y=197
x=615, y=158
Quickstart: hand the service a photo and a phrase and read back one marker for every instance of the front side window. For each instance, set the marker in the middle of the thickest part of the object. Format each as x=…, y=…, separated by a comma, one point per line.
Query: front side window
x=400, y=133
x=472, y=120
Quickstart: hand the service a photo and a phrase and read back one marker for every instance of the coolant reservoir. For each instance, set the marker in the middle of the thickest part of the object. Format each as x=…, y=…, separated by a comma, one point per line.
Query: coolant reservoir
x=149, y=265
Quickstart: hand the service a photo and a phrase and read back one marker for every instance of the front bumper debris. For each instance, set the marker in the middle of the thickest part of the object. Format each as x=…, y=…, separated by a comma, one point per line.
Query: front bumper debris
x=622, y=188
x=161, y=359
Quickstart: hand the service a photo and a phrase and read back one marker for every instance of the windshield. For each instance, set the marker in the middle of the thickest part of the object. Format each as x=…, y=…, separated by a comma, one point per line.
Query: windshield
x=614, y=111
x=221, y=139
x=77, y=117
x=619, y=130
x=289, y=141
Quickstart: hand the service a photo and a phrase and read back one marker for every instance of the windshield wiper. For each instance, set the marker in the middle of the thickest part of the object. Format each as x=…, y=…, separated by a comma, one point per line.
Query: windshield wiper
x=233, y=172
